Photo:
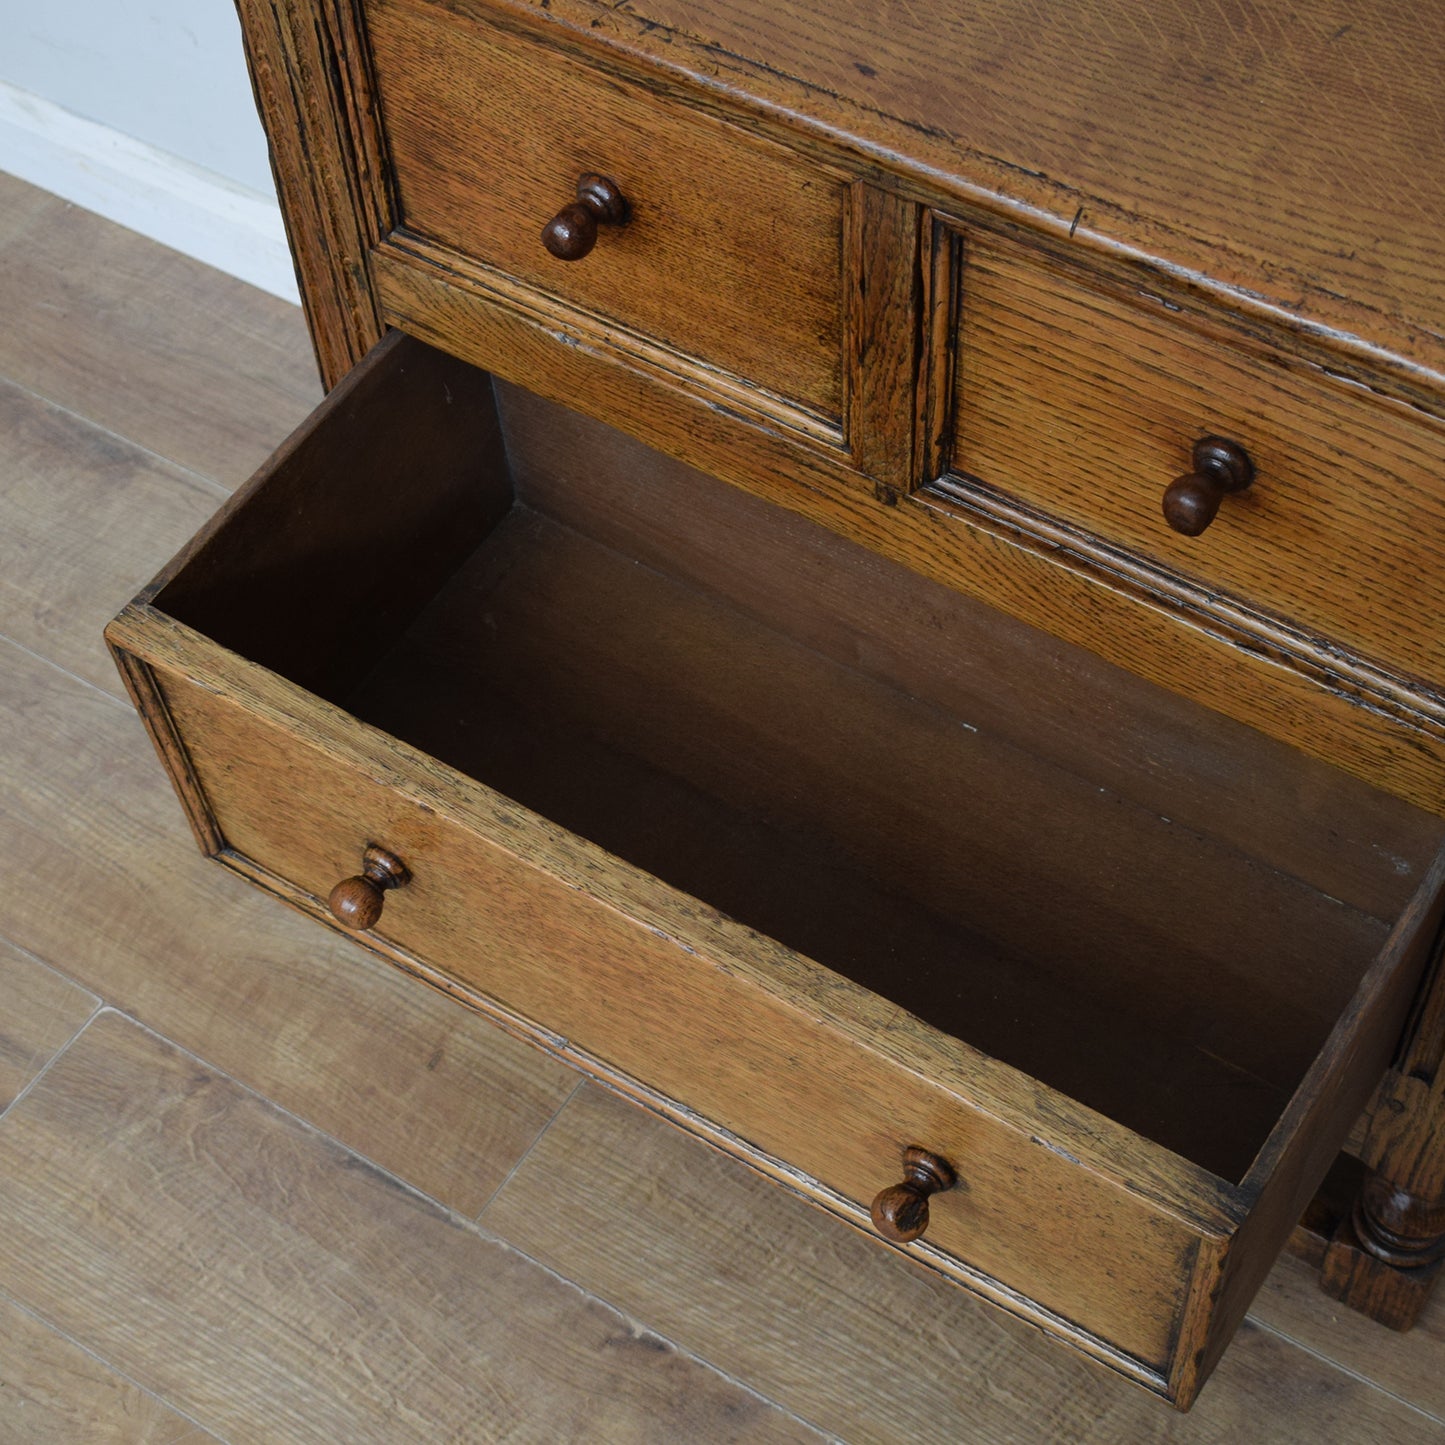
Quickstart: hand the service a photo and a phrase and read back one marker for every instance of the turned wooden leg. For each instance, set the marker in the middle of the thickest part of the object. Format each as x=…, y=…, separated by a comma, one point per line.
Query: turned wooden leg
x=1386, y=1252
x=1385, y=1257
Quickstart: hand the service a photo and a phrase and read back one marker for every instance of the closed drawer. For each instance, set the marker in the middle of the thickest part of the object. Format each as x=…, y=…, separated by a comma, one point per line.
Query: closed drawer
x=746, y=843
x=1086, y=407
x=731, y=251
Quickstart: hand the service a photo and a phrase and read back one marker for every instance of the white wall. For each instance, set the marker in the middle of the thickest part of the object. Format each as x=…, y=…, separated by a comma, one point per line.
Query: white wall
x=142, y=110
x=168, y=72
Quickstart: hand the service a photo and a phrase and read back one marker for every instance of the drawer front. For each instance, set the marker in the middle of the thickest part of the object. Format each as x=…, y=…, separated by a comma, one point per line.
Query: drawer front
x=732, y=250
x=1109, y=1265
x=1086, y=408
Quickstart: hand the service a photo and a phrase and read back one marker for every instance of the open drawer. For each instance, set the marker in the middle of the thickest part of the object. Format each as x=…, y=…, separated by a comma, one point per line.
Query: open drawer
x=818, y=858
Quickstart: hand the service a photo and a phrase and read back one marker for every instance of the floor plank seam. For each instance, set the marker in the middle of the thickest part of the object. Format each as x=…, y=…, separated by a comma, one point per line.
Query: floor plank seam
x=270, y=1103
x=477, y=1227
x=51, y=1062
x=210, y=484
x=31, y=956
x=460, y=1220
x=29, y=953
x=115, y=1370
x=640, y=1328
x=527, y=1152
x=40, y=657
x=1317, y=1354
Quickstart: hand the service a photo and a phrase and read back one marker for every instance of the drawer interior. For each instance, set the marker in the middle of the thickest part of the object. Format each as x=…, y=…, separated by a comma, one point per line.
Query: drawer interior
x=1142, y=904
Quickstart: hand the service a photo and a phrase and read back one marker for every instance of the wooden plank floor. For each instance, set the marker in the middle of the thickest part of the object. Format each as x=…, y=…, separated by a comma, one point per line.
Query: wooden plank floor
x=256, y=1186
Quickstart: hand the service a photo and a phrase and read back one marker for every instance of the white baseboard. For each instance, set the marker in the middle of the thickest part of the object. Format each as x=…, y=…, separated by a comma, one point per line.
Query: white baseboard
x=195, y=211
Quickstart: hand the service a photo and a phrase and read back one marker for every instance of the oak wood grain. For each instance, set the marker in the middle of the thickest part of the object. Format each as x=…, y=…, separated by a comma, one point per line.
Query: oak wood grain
x=193, y=365
x=313, y=87
x=780, y=1294
x=83, y=514
x=1295, y=696
x=732, y=250
x=52, y=1392
x=511, y=908
x=880, y=255
x=1270, y=157
x=40, y=1012
x=275, y=1286
x=1075, y=402
x=308, y=1019
x=253, y=740
x=1043, y=919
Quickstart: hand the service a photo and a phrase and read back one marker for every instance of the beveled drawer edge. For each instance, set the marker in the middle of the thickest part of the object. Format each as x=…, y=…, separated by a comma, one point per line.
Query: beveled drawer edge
x=720, y=1138
x=1331, y=666
x=1394, y=693
x=1166, y=1184
x=1139, y=282
x=155, y=716
x=574, y=327
x=313, y=87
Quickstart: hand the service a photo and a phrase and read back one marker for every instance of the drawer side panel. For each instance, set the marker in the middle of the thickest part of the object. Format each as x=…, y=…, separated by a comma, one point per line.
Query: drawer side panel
x=1292, y=1165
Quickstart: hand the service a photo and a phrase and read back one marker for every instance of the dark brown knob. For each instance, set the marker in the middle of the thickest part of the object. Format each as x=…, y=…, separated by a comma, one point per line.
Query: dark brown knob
x=1220, y=467
x=900, y=1212
x=356, y=902
x=572, y=232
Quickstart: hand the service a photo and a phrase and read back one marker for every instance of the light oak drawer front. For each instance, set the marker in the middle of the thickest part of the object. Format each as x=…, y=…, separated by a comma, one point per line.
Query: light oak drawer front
x=1086, y=407
x=731, y=251
x=692, y=1025
x=677, y=829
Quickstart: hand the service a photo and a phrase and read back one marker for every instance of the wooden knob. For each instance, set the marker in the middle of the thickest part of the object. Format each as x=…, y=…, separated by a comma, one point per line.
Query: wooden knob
x=1220, y=466
x=356, y=902
x=900, y=1212
x=572, y=232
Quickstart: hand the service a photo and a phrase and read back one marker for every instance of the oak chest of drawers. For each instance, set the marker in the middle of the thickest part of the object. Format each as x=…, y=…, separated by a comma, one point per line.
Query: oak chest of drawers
x=877, y=590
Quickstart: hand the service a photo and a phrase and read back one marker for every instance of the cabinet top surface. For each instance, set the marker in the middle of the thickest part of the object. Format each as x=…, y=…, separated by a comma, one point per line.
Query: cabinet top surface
x=1290, y=156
